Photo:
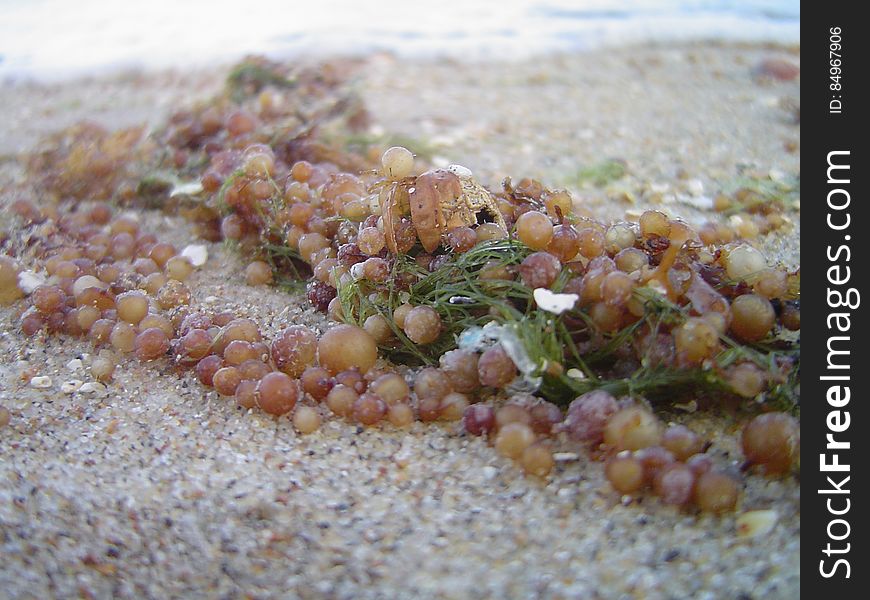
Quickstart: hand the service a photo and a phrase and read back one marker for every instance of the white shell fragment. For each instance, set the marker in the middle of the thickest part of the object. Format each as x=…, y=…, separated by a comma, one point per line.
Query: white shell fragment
x=29, y=281
x=197, y=254
x=756, y=522
x=459, y=170
x=554, y=303
x=41, y=382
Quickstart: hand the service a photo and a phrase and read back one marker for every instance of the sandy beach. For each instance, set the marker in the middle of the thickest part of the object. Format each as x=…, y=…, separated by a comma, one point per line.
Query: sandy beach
x=156, y=487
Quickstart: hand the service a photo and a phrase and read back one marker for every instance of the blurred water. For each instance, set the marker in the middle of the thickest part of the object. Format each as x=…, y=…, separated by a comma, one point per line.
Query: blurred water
x=62, y=38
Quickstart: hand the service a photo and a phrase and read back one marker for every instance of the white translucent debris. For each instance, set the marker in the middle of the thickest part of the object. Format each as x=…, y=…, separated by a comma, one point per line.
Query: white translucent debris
x=477, y=339
x=197, y=254
x=554, y=303
x=516, y=350
x=29, y=281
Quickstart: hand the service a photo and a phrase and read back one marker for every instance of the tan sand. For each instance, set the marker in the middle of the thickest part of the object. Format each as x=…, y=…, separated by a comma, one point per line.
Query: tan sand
x=158, y=488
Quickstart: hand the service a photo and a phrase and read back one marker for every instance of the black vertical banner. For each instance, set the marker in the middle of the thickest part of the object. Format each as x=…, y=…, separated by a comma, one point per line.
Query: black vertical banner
x=835, y=297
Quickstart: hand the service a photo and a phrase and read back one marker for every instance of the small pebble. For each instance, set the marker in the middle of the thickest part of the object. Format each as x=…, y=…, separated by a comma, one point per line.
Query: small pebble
x=92, y=387
x=71, y=386
x=755, y=523
x=41, y=382
x=75, y=365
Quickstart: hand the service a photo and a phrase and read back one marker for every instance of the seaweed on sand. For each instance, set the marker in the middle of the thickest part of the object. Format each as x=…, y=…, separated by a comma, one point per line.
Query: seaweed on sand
x=561, y=362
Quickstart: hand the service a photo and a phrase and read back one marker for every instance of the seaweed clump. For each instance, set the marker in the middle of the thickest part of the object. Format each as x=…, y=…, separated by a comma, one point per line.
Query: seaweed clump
x=513, y=293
